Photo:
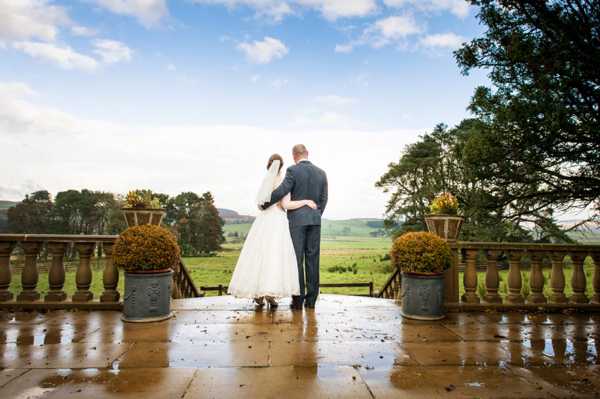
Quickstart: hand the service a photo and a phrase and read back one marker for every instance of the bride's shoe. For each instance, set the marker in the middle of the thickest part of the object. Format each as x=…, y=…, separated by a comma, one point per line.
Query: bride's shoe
x=272, y=302
x=260, y=301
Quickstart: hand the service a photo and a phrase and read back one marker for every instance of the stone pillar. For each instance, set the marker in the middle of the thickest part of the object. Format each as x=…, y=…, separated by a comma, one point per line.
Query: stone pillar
x=492, y=279
x=176, y=285
x=6, y=249
x=56, y=277
x=595, y=299
x=470, y=277
x=110, y=277
x=557, y=282
x=514, y=277
x=83, y=277
x=29, y=278
x=451, y=283
x=578, y=279
x=536, y=278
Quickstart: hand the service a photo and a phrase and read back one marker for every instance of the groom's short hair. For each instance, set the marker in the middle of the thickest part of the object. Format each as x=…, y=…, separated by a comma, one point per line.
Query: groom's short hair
x=299, y=149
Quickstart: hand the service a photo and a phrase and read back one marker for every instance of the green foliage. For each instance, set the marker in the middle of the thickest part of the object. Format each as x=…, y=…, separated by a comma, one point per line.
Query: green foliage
x=421, y=253
x=537, y=146
x=145, y=248
x=445, y=204
x=142, y=199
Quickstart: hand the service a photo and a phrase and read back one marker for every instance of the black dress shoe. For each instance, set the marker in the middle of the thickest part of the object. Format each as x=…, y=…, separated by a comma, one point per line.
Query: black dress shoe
x=309, y=305
x=295, y=307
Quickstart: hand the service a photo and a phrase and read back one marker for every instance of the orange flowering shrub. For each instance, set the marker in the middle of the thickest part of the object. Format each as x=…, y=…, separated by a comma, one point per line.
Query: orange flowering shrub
x=145, y=248
x=421, y=253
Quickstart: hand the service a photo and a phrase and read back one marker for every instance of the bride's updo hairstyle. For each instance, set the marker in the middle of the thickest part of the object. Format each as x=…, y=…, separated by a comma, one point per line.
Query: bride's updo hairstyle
x=275, y=157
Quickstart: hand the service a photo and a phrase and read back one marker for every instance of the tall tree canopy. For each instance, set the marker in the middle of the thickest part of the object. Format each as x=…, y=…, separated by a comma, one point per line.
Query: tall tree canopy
x=442, y=161
x=539, y=141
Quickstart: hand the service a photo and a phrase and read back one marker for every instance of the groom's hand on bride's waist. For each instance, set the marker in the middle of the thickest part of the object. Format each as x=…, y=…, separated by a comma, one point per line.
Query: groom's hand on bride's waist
x=260, y=208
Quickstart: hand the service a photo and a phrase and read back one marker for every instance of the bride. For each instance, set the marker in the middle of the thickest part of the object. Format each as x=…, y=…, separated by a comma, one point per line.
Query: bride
x=267, y=267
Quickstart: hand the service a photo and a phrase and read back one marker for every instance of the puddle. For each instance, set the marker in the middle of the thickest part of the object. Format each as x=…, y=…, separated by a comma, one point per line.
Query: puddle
x=33, y=393
x=567, y=351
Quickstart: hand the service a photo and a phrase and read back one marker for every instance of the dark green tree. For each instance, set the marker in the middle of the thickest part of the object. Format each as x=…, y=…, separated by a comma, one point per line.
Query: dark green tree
x=539, y=135
x=32, y=215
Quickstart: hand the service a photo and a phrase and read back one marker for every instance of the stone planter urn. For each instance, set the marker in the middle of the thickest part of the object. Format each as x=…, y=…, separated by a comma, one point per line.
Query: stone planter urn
x=444, y=226
x=143, y=216
x=147, y=296
x=422, y=258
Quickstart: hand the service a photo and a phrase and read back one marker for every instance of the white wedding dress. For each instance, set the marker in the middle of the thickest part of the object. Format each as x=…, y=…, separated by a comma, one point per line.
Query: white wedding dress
x=267, y=264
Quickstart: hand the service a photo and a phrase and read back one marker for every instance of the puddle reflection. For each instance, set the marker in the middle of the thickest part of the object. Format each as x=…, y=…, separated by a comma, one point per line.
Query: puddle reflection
x=568, y=351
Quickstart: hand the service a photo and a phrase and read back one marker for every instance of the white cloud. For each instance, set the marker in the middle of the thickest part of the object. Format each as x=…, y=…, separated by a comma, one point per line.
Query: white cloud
x=346, y=48
x=276, y=10
x=112, y=51
x=396, y=27
x=24, y=19
x=449, y=40
x=83, y=31
x=262, y=52
x=460, y=8
x=334, y=119
x=18, y=116
x=361, y=79
x=278, y=82
x=186, y=80
x=335, y=100
x=147, y=12
x=171, y=67
x=255, y=78
x=63, y=57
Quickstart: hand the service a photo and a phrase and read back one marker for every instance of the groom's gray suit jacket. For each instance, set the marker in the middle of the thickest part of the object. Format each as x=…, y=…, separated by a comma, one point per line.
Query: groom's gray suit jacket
x=305, y=181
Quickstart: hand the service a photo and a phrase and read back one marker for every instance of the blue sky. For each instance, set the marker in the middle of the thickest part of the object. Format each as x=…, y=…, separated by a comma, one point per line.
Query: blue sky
x=195, y=95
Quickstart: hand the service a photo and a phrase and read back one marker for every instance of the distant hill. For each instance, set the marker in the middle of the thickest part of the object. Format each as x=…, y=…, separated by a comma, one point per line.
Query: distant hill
x=7, y=204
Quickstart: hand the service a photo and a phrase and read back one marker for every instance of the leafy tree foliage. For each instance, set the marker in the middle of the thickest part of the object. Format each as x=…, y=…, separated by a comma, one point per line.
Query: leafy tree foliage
x=538, y=142
x=442, y=161
x=32, y=215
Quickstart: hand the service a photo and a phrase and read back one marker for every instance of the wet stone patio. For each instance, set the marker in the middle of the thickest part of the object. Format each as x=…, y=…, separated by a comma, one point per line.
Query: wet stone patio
x=349, y=347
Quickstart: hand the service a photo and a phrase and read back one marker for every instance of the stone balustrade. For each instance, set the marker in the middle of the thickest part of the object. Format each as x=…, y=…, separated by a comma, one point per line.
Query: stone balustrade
x=56, y=298
x=467, y=253
x=493, y=252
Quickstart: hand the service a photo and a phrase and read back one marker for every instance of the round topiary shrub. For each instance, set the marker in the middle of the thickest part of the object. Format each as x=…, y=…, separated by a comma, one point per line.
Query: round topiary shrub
x=145, y=248
x=421, y=253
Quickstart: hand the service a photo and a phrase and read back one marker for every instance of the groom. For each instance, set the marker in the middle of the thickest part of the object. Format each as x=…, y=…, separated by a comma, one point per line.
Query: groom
x=305, y=181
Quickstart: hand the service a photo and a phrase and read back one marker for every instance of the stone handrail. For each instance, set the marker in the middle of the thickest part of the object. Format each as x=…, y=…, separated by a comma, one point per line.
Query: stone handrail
x=392, y=288
x=493, y=252
x=56, y=298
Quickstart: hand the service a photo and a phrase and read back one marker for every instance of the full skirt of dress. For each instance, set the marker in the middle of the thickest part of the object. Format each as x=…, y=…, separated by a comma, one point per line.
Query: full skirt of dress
x=267, y=265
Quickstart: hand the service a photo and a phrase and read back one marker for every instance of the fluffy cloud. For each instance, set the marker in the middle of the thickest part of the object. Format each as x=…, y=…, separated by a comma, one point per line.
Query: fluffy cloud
x=112, y=51
x=63, y=57
x=18, y=116
x=335, y=100
x=276, y=10
x=396, y=27
x=262, y=52
x=147, y=12
x=24, y=19
x=278, y=82
x=459, y=8
x=83, y=31
x=449, y=40
x=346, y=48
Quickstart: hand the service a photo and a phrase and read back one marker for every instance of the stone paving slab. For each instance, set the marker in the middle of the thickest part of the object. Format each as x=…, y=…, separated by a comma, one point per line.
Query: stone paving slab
x=131, y=383
x=449, y=382
x=278, y=382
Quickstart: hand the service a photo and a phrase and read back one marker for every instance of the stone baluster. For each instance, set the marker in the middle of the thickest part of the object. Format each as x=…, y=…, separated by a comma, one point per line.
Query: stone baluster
x=110, y=277
x=6, y=249
x=29, y=277
x=578, y=279
x=56, y=277
x=470, y=277
x=177, y=284
x=536, y=278
x=595, y=299
x=83, y=277
x=557, y=281
x=399, y=285
x=514, y=277
x=492, y=279
x=395, y=289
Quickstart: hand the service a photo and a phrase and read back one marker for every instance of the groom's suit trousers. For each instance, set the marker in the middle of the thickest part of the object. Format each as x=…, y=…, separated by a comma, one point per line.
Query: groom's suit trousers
x=307, y=244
